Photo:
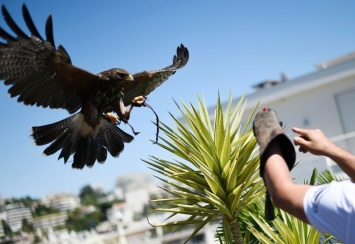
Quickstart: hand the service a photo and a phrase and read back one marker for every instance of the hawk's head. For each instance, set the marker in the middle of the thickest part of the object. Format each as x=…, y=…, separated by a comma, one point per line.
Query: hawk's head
x=116, y=74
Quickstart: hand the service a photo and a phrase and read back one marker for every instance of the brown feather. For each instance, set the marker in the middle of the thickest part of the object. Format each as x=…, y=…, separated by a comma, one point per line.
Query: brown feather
x=147, y=81
x=40, y=74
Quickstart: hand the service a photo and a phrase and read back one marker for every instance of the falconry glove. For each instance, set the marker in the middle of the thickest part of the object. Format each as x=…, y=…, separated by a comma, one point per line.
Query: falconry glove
x=267, y=130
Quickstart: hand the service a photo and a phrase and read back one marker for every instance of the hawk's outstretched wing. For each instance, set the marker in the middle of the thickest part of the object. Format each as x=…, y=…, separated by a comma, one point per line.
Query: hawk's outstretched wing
x=43, y=75
x=145, y=82
x=37, y=72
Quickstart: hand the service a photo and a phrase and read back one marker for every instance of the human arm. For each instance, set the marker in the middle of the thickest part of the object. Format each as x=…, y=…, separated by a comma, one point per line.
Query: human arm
x=315, y=142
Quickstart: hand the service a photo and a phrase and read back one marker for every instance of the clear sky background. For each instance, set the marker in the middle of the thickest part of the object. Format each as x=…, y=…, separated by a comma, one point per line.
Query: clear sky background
x=233, y=45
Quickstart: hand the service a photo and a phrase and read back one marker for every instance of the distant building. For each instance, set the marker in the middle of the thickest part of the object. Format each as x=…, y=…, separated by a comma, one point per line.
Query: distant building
x=143, y=232
x=2, y=217
x=135, y=190
x=126, y=183
x=50, y=221
x=323, y=99
x=98, y=187
x=87, y=209
x=63, y=201
x=116, y=212
x=15, y=214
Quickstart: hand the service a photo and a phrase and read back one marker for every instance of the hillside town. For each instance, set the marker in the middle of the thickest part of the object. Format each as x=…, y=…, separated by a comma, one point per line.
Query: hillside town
x=93, y=216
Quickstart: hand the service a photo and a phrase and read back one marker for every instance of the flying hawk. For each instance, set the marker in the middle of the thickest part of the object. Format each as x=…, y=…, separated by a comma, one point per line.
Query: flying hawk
x=41, y=74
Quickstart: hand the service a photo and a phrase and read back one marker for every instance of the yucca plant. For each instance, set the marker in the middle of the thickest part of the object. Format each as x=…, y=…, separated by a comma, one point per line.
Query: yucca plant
x=284, y=229
x=214, y=171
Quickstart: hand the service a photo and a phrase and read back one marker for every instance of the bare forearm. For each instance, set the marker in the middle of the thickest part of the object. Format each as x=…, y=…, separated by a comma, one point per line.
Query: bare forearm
x=344, y=159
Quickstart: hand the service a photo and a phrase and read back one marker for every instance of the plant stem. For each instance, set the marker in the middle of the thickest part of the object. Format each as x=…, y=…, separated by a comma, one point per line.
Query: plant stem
x=235, y=229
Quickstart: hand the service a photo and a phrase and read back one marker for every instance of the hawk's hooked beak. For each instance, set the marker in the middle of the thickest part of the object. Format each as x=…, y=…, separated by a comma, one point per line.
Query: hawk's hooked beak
x=128, y=77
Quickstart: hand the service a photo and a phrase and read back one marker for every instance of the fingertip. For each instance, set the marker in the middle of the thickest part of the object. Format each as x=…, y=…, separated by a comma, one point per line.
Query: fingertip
x=295, y=140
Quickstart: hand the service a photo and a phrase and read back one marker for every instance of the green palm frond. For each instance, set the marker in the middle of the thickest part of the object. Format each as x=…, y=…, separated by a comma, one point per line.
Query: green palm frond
x=284, y=229
x=313, y=179
x=326, y=177
x=214, y=173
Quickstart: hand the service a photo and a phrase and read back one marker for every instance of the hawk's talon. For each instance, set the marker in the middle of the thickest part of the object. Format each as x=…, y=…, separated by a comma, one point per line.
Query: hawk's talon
x=112, y=118
x=138, y=101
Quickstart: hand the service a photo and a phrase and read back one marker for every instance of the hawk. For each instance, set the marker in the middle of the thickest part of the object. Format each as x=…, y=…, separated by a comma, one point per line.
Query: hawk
x=41, y=74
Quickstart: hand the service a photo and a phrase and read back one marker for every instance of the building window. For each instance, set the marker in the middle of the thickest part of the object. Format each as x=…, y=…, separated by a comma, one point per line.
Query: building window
x=346, y=107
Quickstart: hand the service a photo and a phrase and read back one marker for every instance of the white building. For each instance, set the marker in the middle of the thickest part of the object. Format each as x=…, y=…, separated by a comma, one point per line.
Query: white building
x=63, y=201
x=323, y=99
x=50, y=221
x=15, y=214
x=135, y=190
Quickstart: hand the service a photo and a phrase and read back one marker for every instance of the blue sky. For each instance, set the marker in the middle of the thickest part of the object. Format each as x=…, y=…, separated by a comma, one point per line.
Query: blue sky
x=233, y=45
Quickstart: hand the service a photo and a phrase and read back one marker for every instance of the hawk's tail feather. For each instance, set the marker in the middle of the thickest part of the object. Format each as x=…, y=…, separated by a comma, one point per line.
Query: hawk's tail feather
x=101, y=153
x=68, y=136
x=85, y=154
x=58, y=144
x=112, y=138
x=48, y=133
x=69, y=147
x=89, y=149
